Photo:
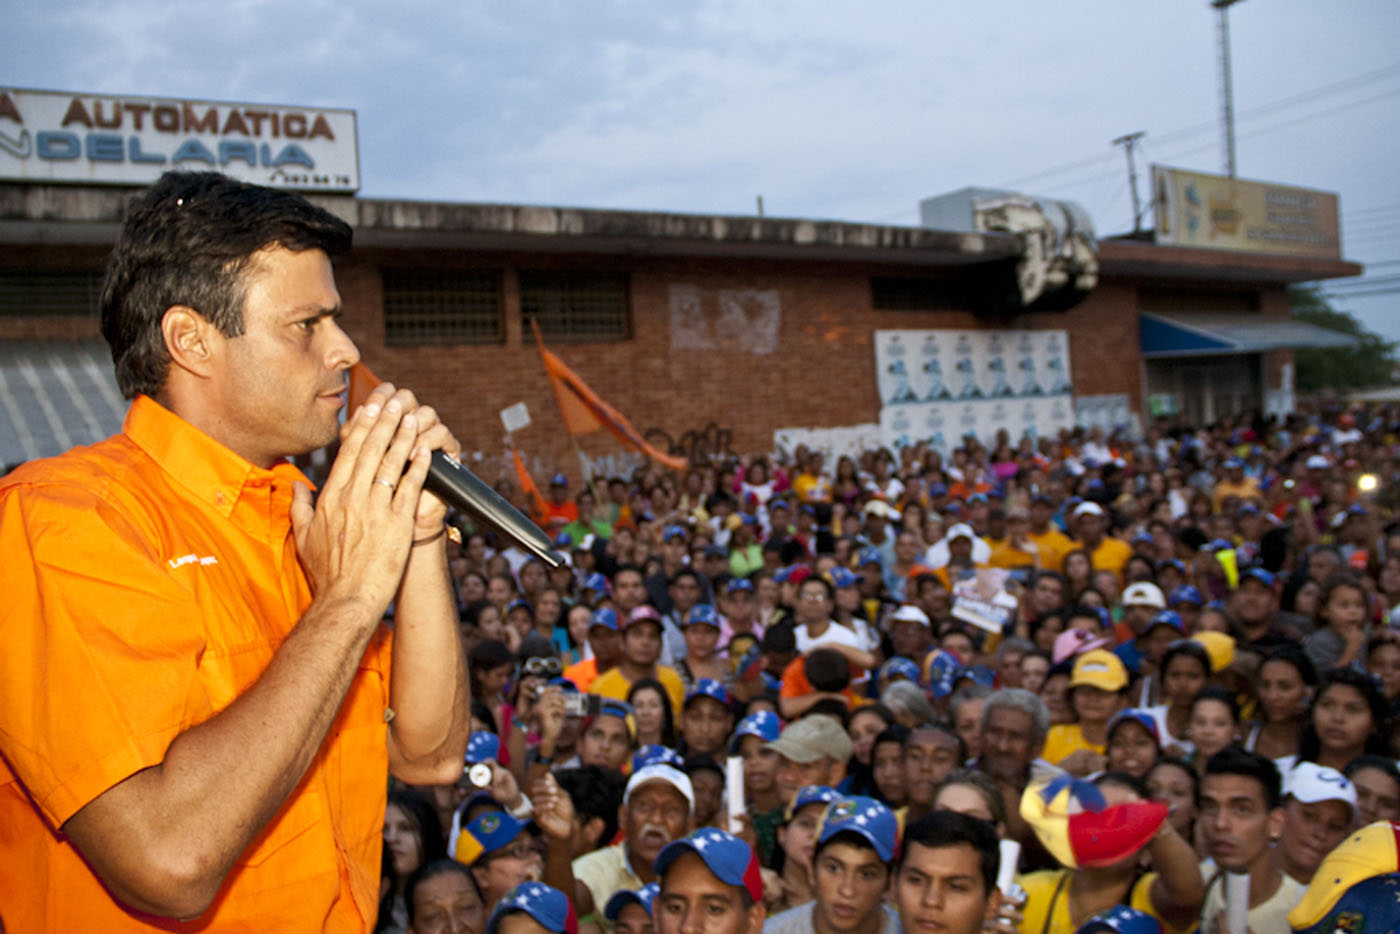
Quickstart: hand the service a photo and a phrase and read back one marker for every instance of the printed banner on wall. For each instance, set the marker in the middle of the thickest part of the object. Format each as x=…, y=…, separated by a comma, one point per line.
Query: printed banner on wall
x=940, y=385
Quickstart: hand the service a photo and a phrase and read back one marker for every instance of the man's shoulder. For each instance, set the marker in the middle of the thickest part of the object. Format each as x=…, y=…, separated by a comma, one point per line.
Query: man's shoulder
x=602, y=860
x=668, y=676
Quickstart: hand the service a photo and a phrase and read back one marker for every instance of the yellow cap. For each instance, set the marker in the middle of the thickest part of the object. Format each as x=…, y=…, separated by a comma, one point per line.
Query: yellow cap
x=1220, y=648
x=1099, y=668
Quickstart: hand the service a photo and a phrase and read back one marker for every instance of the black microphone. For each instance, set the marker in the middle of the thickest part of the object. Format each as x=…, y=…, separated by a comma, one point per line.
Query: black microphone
x=463, y=490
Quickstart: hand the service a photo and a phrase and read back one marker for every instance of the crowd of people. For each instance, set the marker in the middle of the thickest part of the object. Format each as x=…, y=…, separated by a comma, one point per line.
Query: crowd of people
x=916, y=659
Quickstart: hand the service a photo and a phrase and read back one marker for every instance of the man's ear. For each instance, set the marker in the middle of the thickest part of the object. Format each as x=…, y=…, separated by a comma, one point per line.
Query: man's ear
x=993, y=904
x=189, y=339
x=1275, y=824
x=757, y=913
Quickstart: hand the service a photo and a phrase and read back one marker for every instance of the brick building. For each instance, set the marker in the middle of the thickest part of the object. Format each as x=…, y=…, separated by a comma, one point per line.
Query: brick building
x=708, y=332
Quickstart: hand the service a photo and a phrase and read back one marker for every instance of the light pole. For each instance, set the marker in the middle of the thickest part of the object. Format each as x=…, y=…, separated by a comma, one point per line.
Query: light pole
x=1227, y=93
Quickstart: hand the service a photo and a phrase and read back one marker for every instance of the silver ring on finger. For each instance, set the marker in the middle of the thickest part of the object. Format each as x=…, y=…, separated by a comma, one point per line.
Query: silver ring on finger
x=381, y=480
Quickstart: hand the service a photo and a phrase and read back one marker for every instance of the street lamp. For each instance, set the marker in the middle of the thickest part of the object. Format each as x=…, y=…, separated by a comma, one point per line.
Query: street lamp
x=1226, y=88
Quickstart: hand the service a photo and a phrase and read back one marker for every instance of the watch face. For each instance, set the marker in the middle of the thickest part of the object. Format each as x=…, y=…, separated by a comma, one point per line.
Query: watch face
x=480, y=775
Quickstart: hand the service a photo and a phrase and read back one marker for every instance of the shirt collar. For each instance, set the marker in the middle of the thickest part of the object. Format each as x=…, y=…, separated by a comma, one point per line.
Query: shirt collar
x=211, y=472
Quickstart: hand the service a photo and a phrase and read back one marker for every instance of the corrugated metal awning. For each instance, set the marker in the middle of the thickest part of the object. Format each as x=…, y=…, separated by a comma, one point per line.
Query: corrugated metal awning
x=55, y=394
x=1199, y=334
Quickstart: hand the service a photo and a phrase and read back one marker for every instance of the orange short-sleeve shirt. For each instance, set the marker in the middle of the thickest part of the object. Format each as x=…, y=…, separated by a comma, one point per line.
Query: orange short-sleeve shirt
x=148, y=580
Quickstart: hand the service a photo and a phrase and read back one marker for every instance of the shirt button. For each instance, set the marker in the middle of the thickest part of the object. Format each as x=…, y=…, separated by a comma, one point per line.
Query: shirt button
x=219, y=499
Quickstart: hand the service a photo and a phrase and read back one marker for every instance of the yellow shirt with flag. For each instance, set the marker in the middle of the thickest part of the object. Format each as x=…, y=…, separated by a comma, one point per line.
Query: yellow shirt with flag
x=1065, y=739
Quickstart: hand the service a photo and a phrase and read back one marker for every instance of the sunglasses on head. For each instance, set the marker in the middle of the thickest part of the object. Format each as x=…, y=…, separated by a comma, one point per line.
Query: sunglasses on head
x=542, y=667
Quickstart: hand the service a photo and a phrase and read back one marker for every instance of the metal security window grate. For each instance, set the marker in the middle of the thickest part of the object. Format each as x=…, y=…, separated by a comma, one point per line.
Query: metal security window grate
x=575, y=306
x=442, y=306
x=56, y=292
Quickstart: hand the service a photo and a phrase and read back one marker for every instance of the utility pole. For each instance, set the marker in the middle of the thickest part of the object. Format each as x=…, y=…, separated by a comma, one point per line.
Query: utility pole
x=1128, y=142
x=1227, y=92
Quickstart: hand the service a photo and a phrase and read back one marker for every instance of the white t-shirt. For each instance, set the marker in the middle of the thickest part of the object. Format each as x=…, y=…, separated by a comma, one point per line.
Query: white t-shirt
x=1159, y=713
x=1269, y=918
x=835, y=634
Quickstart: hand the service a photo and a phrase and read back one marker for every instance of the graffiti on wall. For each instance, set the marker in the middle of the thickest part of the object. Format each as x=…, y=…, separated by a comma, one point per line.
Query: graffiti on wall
x=736, y=320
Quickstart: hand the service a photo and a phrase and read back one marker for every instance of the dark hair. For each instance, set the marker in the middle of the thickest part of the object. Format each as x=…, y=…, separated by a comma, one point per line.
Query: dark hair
x=668, y=716
x=1309, y=745
x=894, y=733
x=1124, y=780
x=1233, y=760
x=189, y=240
x=1216, y=693
x=1379, y=763
x=432, y=843
x=596, y=792
x=826, y=584
x=937, y=726
x=779, y=639
x=831, y=707
x=938, y=829
x=686, y=571
x=1189, y=648
x=827, y=670
x=850, y=838
x=983, y=784
x=1294, y=655
x=696, y=764
x=438, y=867
x=1335, y=583
x=1181, y=764
x=485, y=655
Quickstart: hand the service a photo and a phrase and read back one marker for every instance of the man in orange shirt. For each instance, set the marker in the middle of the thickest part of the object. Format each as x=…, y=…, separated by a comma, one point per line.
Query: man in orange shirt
x=198, y=702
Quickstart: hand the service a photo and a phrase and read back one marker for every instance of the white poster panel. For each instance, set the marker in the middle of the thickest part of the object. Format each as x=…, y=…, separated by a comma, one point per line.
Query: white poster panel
x=735, y=320
x=833, y=443
x=106, y=139
x=1108, y=412
x=941, y=385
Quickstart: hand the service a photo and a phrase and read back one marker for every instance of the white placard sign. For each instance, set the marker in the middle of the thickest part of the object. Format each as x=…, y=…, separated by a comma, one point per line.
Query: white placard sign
x=103, y=139
x=515, y=417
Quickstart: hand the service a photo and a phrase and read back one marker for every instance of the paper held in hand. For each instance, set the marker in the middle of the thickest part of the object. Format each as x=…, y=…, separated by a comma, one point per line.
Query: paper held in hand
x=515, y=417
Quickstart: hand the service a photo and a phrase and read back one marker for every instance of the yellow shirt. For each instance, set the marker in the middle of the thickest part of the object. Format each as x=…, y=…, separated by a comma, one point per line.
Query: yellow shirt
x=612, y=684
x=1065, y=739
x=1110, y=555
x=1053, y=545
x=1007, y=555
x=1047, y=902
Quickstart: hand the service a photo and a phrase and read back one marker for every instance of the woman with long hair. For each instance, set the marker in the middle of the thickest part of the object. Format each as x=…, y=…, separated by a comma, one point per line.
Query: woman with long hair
x=413, y=837
x=1078, y=570
x=1283, y=685
x=651, y=708
x=866, y=723
x=1349, y=716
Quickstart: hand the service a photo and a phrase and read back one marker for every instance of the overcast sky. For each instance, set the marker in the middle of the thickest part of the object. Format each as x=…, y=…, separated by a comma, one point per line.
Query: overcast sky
x=845, y=111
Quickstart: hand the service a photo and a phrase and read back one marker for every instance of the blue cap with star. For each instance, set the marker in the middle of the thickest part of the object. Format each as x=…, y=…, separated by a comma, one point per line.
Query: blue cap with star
x=546, y=904
x=865, y=817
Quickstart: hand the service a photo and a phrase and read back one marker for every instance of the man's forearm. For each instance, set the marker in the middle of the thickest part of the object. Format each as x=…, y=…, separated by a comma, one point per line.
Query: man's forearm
x=428, y=688
x=164, y=839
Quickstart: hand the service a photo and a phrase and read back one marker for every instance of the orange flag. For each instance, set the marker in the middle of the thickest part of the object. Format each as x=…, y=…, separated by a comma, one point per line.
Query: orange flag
x=584, y=410
x=527, y=483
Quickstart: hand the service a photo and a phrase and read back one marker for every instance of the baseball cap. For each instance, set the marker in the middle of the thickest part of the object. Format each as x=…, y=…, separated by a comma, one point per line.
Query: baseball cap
x=599, y=582
x=558, y=480
x=1167, y=618
x=1186, y=594
x=486, y=834
x=1258, y=574
x=908, y=613
x=645, y=897
x=661, y=772
x=606, y=617
x=1120, y=920
x=960, y=530
x=842, y=578
x=1220, y=648
x=1072, y=642
x=935, y=490
x=1357, y=887
x=1141, y=717
x=1072, y=819
x=1099, y=668
x=809, y=794
x=707, y=687
x=1144, y=593
x=878, y=507
x=563, y=540
x=1318, y=462
x=761, y=723
x=1087, y=509
x=674, y=531
x=731, y=860
x=653, y=754
x=1234, y=463
x=940, y=671
x=702, y=614
x=520, y=603
x=899, y=667
x=546, y=904
x=977, y=674
x=812, y=738
x=482, y=746
x=866, y=817
x=643, y=614
x=1311, y=783
x=737, y=584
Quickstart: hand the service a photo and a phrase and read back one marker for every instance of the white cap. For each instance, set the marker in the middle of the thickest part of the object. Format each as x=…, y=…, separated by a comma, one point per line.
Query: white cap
x=1144, y=593
x=961, y=530
x=878, y=507
x=1310, y=782
x=1318, y=462
x=661, y=772
x=1088, y=509
x=911, y=614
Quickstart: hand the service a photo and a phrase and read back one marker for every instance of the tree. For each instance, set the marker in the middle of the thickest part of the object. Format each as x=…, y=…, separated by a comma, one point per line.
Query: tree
x=1371, y=362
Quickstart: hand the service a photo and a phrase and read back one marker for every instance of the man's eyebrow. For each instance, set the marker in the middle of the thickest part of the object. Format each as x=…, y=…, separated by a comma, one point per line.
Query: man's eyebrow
x=314, y=311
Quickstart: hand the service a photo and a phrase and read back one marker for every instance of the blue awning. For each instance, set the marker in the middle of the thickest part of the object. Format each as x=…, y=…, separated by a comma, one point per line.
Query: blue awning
x=54, y=395
x=1199, y=334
